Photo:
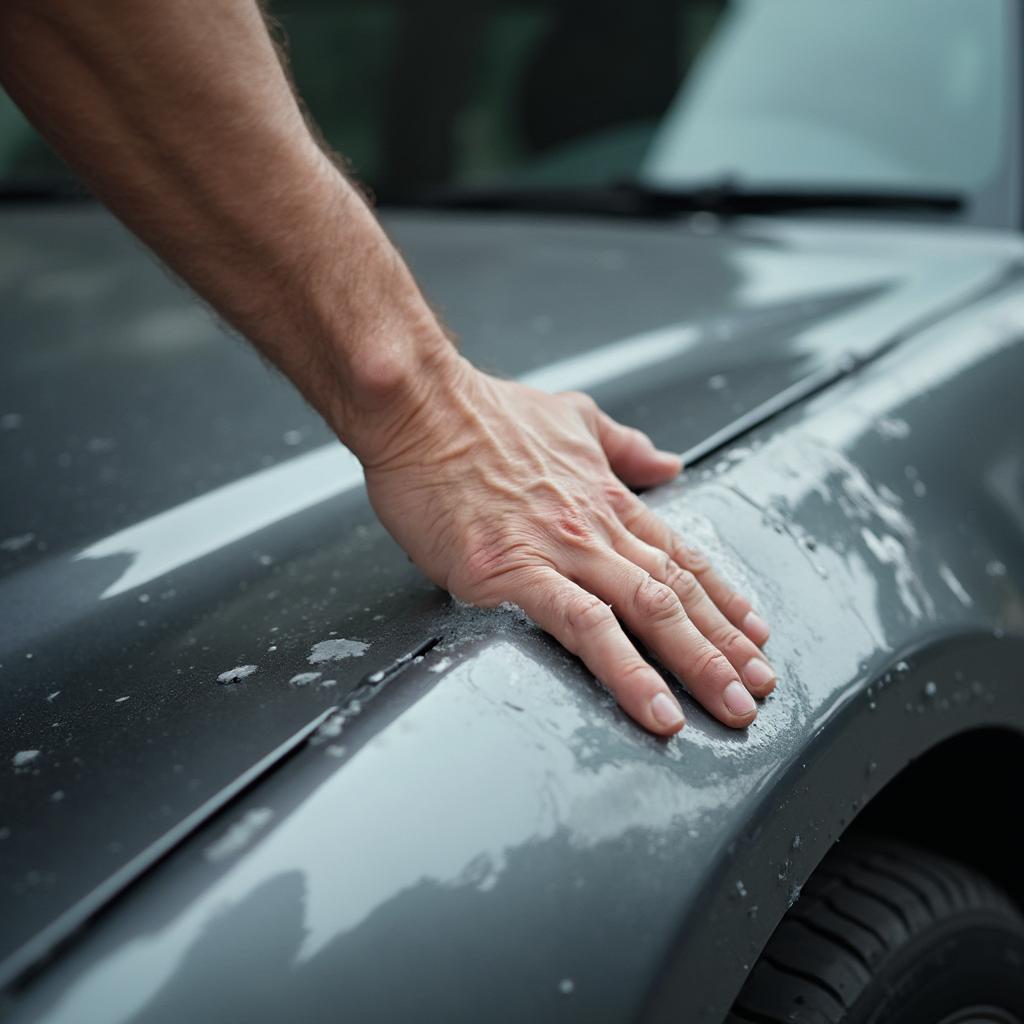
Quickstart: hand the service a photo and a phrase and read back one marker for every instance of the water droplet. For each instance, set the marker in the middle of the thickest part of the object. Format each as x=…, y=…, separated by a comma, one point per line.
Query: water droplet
x=995, y=568
x=292, y=438
x=741, y=889
x=930, y=689
x=566, y=986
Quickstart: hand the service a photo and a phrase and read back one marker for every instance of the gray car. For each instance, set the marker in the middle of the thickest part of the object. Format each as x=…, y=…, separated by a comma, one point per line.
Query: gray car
x=259, y=769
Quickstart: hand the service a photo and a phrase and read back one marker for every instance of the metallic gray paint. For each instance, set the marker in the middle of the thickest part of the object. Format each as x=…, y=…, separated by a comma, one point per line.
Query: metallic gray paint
x=496, y=834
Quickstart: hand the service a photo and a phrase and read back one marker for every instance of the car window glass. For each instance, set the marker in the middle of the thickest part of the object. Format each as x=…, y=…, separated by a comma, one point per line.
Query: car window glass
x=816, y=92
x=575, y=92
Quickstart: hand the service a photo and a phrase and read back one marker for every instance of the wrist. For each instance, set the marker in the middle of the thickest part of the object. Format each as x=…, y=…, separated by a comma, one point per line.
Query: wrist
x=389, y=385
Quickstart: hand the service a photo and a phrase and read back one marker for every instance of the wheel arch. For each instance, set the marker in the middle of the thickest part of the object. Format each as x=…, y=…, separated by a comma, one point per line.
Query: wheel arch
x=961, y=798
x=922, y=749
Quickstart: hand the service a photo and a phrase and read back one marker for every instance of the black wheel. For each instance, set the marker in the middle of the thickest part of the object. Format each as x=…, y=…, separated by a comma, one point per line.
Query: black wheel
x=885, y=933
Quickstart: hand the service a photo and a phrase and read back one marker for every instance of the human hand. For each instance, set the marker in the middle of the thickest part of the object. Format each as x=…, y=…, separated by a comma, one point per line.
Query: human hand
x=500, y=493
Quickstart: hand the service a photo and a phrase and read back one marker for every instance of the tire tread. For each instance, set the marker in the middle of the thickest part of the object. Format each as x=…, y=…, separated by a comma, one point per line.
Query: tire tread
x=866, y=901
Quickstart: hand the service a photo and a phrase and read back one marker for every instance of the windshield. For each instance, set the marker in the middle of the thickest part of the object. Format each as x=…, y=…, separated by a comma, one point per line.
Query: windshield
x=822, y=94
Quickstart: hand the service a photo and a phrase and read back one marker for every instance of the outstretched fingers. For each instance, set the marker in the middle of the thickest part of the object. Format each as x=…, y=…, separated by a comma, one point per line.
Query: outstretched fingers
x=743, y=654
x=585, y=625
x=654, y=613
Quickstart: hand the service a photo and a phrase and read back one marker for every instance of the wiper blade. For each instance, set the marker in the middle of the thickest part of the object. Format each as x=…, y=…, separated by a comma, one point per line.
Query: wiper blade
x=638, y=199
x=26, y=190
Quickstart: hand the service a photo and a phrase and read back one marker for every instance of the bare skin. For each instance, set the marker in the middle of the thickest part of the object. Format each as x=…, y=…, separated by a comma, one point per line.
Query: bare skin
x=180, y=117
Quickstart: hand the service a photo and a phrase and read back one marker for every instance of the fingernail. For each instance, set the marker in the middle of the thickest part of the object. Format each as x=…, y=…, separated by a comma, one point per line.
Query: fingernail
x=754, y=625
x=758, y=673
x=738, y=700
x=666, y=711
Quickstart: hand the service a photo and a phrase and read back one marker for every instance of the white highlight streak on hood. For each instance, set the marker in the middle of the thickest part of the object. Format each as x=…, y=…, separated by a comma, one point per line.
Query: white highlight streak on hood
x=195, y=528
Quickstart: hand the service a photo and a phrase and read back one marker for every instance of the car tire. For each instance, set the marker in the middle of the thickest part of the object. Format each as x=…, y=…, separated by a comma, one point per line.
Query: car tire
x=886, y=933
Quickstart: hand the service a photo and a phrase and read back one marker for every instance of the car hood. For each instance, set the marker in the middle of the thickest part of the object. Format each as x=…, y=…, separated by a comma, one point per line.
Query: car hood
x=190, y=574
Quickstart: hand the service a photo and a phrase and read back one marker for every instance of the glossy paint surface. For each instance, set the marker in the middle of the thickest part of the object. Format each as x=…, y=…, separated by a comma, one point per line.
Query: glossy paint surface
x=488, y=826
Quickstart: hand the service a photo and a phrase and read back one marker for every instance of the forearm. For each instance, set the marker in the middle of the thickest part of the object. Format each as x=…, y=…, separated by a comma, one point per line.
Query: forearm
x=181, y=119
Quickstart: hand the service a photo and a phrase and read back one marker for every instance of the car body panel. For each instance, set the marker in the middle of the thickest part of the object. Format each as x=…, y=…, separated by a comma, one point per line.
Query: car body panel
x=489, y=830
x=349, y=863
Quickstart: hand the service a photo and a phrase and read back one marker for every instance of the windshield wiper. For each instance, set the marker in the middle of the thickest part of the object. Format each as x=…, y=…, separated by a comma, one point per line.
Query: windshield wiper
x=638, y=199
x=27, y=190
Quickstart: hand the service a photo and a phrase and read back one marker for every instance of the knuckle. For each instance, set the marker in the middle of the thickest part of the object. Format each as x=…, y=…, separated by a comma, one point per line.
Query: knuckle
x=619, y=498
x=712, y=666
x=581, y=400
x=486, y=557
x=692, y=558
x=484, y=560
x=633, y=510
x=730, y=641
x=634, y=673
x=669, y=570
x=655, y=600
x=687, y=586
x=572, y=526
x=585, y=613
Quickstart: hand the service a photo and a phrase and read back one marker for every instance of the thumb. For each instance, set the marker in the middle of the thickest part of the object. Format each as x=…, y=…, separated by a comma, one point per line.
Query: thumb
x=632, y=454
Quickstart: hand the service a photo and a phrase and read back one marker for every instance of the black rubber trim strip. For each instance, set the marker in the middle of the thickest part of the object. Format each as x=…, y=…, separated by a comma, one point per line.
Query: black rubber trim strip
x=815, y=383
